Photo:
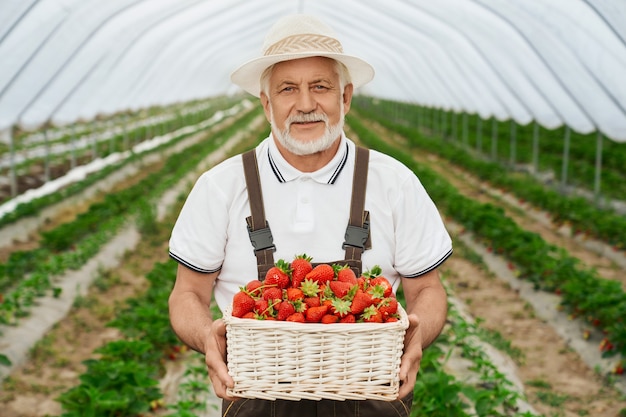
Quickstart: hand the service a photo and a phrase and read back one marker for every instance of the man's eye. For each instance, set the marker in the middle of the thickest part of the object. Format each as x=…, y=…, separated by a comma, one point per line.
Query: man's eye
x=320, y=87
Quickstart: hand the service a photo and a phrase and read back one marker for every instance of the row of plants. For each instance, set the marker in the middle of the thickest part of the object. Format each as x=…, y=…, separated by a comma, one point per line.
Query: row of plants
x=28, y=275
x=508, y=142
x=33, y=207
x=583, y=292
x=158, y=119
x=584, y=216
x=101, y=138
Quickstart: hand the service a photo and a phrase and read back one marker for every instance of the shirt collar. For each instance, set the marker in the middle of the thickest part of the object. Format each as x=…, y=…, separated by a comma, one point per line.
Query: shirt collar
x=328, y=174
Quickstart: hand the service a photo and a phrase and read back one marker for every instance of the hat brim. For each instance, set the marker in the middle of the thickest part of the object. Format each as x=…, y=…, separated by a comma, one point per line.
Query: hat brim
x=248, y=75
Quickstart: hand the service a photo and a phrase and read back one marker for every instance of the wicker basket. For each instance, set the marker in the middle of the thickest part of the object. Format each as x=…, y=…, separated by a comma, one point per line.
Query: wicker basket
x=293, y=361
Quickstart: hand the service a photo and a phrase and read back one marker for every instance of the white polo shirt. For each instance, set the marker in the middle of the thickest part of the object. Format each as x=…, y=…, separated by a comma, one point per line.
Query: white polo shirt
x=308, y=213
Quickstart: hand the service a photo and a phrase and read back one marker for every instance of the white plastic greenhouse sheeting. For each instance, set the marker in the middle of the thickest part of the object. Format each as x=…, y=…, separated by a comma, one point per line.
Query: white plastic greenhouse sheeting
x=554, y=61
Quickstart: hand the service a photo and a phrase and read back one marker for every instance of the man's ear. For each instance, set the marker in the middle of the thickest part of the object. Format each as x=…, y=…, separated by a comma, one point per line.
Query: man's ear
x=265, y=102
x=347, y=97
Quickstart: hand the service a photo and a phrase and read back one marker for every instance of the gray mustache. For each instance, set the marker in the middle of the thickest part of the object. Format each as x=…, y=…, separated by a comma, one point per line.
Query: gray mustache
x=307, y=118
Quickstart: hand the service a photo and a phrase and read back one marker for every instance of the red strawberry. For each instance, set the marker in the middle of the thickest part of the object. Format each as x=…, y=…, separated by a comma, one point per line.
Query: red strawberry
x=315, y=314
x=345, y=274
x=278, y=275
x=362, y=282
x=372, y=315
x=341, y=288
x=349, y=318
x=360, y=302
x=377, y=292
x=312, y=301
x=266, y=308
x=294, y=294
x=285, y=309
x=253, y=287
x=242, y=303
x=300, y=266
x=388, y=306
x=296, y=317
x=329, y=318
x=322, y=273
x=261, y=305
x=249, y=315
x=391, y=319
x=383, y=283
x=272, y=293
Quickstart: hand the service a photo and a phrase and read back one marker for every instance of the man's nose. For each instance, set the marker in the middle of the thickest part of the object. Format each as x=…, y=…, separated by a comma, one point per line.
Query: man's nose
x=306, y=102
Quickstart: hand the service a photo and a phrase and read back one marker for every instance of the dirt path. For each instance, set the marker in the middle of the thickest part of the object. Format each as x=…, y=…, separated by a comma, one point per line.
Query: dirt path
x=556, y=380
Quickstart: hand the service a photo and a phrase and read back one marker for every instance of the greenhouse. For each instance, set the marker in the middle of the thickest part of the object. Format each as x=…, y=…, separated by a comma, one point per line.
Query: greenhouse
x=511, y=114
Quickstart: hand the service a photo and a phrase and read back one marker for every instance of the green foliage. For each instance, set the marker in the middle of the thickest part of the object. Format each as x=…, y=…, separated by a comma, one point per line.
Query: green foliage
x=121, y=383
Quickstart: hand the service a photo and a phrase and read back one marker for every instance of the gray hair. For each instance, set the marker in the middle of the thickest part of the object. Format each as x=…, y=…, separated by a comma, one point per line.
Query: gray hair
x=342, y=70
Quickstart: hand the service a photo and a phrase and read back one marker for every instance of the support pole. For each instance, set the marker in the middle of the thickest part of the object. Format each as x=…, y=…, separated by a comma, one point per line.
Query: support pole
x=598, y=173
x=11, y=131
x=444, y=123
x=455, y=126
x=513, y=150
x=73, y=146
x=46, y=160
x=465, y=135
x=536, y=147
x=494, y=139
x=479, y=134
x=564, y=167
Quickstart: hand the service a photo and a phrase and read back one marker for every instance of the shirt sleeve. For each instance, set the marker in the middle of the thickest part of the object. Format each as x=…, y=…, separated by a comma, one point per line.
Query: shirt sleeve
x=199, y=234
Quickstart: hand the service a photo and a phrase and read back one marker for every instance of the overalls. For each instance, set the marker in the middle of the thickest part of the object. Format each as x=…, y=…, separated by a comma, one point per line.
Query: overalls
x=357, y=239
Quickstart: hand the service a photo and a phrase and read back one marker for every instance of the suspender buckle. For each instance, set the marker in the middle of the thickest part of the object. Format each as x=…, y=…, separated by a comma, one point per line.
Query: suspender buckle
x=261, y=239
x=357, y=236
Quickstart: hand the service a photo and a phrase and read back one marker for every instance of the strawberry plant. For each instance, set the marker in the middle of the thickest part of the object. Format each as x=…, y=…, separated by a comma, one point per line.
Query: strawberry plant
x=122, y=382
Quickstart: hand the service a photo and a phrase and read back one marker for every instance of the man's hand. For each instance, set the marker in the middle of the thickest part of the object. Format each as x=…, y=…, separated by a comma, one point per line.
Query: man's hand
x=215, y=358
x=411, y=358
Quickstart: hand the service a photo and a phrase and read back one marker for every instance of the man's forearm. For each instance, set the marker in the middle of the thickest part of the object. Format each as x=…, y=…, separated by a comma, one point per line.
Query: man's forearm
x=426, y=297
x=190, y=320
x=432, y=308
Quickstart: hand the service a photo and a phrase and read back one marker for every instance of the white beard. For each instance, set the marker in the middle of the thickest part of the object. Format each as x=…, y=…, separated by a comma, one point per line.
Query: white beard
x=299, y=147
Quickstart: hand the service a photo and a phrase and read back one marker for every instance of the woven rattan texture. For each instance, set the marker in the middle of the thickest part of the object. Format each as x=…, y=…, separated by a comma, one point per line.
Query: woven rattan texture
x=294, y=361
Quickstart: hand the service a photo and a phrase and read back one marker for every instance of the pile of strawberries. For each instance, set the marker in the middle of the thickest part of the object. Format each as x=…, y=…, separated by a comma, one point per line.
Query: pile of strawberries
x=325, y=293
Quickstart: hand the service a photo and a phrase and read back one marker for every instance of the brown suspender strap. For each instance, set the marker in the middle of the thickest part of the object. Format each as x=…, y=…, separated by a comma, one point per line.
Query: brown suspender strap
x=357, y=237
x=258, y=228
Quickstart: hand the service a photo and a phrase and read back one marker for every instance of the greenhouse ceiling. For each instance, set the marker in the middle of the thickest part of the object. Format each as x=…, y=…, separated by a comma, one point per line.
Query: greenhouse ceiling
x=557, y=62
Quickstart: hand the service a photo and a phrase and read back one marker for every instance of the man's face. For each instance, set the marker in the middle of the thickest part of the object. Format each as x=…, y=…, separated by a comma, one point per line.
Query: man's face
x=306, y=105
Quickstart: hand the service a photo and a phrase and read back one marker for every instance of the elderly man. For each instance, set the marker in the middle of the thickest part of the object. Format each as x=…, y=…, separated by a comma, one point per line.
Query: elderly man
x=305, y=168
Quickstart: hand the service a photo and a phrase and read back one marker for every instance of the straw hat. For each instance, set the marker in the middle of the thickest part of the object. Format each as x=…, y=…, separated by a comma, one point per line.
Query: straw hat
x=294, y=37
